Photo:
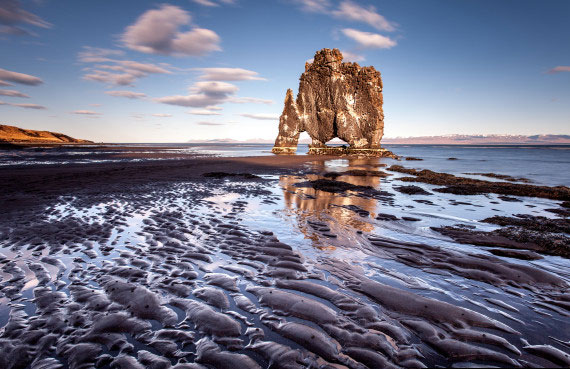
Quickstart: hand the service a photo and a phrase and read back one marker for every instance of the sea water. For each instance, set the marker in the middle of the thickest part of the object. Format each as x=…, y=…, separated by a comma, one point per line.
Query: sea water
x=544, y=165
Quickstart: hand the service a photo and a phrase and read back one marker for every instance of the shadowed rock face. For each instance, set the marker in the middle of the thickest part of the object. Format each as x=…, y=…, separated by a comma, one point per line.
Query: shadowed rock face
x=335, y=99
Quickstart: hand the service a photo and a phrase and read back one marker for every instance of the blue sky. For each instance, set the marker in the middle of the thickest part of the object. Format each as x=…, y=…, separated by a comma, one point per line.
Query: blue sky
x=145, y=71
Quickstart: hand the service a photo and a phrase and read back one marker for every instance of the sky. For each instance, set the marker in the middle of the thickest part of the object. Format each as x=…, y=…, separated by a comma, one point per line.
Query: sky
x=146, y=71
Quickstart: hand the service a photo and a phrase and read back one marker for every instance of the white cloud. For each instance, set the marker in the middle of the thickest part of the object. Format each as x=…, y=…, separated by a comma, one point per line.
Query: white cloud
x=21, y=78
x=250, y=100
x=352, y=11
x=85, y=112
x=314, y=6
x=202, y=94
x=558, y=69
x=203, y=112
x=352, y=57
x=127, y=94
x=261, y=116
x=12, y=93
x=369, y=40
x=162, y=115
x=157, y=31
x=229, y=74
x=12, y=15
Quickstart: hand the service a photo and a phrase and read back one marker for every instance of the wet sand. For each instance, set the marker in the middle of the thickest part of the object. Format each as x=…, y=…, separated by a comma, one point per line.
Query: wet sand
x=274, y=261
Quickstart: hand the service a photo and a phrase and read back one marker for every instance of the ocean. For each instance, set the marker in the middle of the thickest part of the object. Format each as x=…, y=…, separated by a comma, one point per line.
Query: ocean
x=545, y=165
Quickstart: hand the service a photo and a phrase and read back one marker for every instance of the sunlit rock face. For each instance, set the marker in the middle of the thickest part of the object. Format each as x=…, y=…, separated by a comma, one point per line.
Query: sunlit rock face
x=335, y=99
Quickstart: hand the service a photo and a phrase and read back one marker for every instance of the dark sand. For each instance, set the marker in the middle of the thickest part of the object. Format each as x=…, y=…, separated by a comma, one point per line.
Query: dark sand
x=174, y=264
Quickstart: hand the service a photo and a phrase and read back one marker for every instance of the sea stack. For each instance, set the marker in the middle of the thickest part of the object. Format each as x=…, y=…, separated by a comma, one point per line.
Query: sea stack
x=335, y=99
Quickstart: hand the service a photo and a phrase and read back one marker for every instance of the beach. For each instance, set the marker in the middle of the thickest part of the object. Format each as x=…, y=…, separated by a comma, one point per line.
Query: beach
x=140, y=257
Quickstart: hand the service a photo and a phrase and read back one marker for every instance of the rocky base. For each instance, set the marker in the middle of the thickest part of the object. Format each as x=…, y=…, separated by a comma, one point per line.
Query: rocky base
x=341, y=151
x=284, y=150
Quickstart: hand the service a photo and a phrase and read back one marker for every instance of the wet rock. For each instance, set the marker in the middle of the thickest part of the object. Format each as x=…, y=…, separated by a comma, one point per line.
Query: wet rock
x=504, y=177
x=516, y=254
x=384, y=216
x=287, y=303
x=207, y=352
x=411, y=158
x=548, y=352
x=208, y=320
x=308, y=337
x=221, y=280
x=279, y=356
x=142, y=302
x=512, y=237
x=213, y=296
x=468, y=186
x=220, y=175
x=531, y=222
x=412, y=190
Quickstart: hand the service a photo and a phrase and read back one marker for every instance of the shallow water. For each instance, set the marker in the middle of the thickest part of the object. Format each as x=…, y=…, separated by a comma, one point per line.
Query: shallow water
x=88, y=260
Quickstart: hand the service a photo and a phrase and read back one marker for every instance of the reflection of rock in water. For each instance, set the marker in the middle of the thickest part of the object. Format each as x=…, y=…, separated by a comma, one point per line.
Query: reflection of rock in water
x=346, y=209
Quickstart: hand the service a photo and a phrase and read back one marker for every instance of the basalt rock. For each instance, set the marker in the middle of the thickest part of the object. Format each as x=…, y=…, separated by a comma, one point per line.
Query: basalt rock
x=335, y=99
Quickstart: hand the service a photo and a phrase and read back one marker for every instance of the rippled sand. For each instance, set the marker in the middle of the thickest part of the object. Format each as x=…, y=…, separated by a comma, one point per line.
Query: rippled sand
x=158, y=266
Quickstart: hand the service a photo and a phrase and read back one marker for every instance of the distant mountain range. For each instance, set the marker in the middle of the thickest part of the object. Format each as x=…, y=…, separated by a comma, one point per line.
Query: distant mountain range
x=482, y=140
x=15, y=135
x=436, y=140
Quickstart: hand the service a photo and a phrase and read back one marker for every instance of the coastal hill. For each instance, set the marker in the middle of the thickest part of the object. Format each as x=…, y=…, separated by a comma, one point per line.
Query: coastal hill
x=15, y=135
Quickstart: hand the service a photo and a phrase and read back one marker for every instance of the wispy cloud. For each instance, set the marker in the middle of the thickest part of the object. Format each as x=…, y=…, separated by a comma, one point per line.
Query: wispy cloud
x=12, y=93
x=162, y=115
x=261, y=116
x=25, y=79
x=127, y=94
x=97, y=55
x=30, y=106
x=210, y=124
x=202, y=94
x=12, y=16
x=203, y=112
x=352, y=57
x=157, y=31
x=229, y=74
x=559, y=69
x=206, y=2
x=348, y=10
x=314, y=6
x=116, y=72
x=250, y=100
x=352, y=11
x=368, y=39
x=85, y=112
x=25, y=106
x=5, y=84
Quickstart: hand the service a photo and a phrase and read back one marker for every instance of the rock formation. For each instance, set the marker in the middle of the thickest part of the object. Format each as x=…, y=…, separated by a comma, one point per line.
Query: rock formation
x=335, y=99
